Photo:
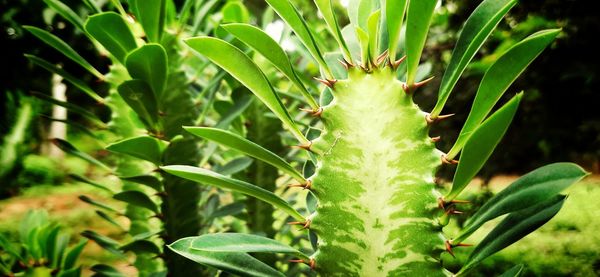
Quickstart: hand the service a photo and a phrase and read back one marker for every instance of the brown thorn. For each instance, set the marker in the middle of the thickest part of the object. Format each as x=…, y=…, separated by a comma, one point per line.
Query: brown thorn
x=307, y=185
x=381, y=57
x=305, y=224
x=397, y=63
x=436, y=139
x=446, y=161
x=405, y=87
x=327, y=82
x=449, y=248
x=438, y=118
x=460, y=201
x=304, y=146
x=315, y=113
x=312, y=263
x=441, y=203
x=346, y=64
x=420, y=84
x=297, y=261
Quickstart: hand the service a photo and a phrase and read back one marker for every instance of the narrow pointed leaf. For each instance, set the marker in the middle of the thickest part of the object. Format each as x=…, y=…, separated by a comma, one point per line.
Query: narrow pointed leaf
x=149, y=64
x=514, y=227
x=498, y=78
x=105, y=270
x=144, y=147
x=477, y=29
x=292, y=17
x=140, y=97
x=103, y=241
x=272, y=51
x=515, y=271
x=532, y=188
x=241, y=67
x=109, y=219
x=418, y=19
x=112, y=32
x=227, y=210
x=373, y=31
x=245, y=146
x=326, y=9
x=61, y=46
x=137, y=198
x=481, y=144
x=151, y=15
x=240, y=104
x=66, y=12
x=95, y=203
x=73, y=253
x=394, y=15
x=147, y=180
x=363, y=40
x=66, y=75
x=70, y=149
x=141, y=247
x=236, y=263
x=234, y=166
x=82, y=179
x=70, y=107
x=202, y=175
x=237, y=242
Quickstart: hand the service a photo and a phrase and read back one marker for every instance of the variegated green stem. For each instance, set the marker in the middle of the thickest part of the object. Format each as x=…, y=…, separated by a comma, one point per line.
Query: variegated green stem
x=375, y=183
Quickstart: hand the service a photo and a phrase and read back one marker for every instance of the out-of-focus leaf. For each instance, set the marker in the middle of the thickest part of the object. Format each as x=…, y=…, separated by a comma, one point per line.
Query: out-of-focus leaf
x=151, y=15
x=73, y=253
x=141, y=247
x=147, y=180
x=112, y=32
x=137, y=198
x=70, y=149
x=515, y=271
x=82, y=179
x=144, y=147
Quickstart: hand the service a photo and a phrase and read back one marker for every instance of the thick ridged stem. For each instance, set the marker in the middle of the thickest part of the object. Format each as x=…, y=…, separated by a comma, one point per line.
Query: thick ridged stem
x=377, y=211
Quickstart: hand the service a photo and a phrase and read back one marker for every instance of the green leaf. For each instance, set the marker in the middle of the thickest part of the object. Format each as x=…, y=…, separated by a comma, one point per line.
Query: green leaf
x=373, y=31
x=270, y=49
x=227, y=210
x=326, y=9
x=418, y=19
x=66, y=12
x=66, y=75
x=235, y=11
x=61, y=46
x=151, y=15
x=292, y=17
x=514, y=227
x=139, y=96
x=112, y=32
x=109, y=219
x=137, y=198
x=206, y=176
x=104, y=242
x=237, y=242
x=144, y=147
x=82, y=179
x=477, y=29
x=241, y=67
x=105, y=271
x=363, y=39
x=234, y=166
x=73, y=253
x=394, y=15
x=481, y=144
x=240, y=104
x=245, y=146
x=70, y=149
x=149, y=63
x=141, y=247
x=70, y=107
x=532, y=188
x=147, y=180
x=97, y=204
x=515, y=271
x=498, y=78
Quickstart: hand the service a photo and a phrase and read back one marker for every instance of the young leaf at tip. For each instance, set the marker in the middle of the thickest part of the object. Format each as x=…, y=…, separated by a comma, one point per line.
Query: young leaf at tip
x=326, y=9
x=477, y=29
x=245, y=146
x=373, y=32
x=151, y=15
x=205, y=176
x=241, y=67
x=394, y=14
x=418, y=19
x=501, y=74
x=481, y=144
x=149, y=63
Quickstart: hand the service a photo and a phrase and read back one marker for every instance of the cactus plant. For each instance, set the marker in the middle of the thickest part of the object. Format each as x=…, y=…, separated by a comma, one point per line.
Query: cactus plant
x=379, y=211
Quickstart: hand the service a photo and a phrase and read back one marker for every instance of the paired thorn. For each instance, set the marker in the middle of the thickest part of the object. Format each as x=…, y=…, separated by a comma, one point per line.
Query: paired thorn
x=307, y=185
x=436, y=139
x=449, y=245
x=305, y=146
x=313, y=112
x=310, y=262
x=395, y=64
x=327, y=82
x=305, y=224
x=443, y=203
x=445, y=160
x=413, y=87
x=346, y=64
x=437, y=119
x=381, y=58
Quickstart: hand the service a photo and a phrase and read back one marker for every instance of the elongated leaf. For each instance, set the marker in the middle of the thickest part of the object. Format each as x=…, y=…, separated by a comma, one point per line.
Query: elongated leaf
x=237, y=242
x=234, y=166
x=66, y=75
x=95, y=203
x=61, y=46
x=112, y=32
x=514, y=227
x=149, y=63
x=394, y=15
x=82, y=179
x=363, y=40
x=139, y=96
x=481, y=144
x=66, y=12
x=147, y=180
x=477, y=29
x=292, y=17
x=105, y=270
x=151, y=15
x=515, y=271
x=206, y=176
x=103, y=241
x=326, y=9
x=137, y=198
x=141, y=247
x=241, y=67
x=270, y=49
x=109, y=219
x=532, y=188
x=70, y=107
x=71, y=123
x=72, y=256
x=144, y=147
x=70, y=149
x=245, y=146
x=227, y=210
x=237, y=263
x=235, y=11
x=373, y=31
x=240, y=104
x=418, y=19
